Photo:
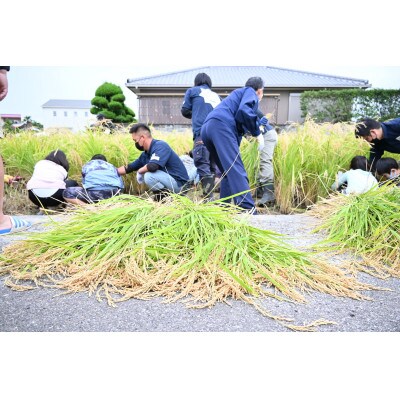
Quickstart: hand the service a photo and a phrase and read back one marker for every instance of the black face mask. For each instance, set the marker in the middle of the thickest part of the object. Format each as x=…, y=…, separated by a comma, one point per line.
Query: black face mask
x=139, y=147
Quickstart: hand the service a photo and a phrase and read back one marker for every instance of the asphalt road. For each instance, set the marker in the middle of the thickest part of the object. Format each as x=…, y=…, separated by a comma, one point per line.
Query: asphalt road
x=50, y=310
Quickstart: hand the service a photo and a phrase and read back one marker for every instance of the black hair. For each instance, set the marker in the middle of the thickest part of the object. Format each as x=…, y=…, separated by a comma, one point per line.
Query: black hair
x=99, y=157
x=138, y=127
x=385, y=165
x=202, y=79
x=360, y=162
x=58, y=157
x=364, y=126
x=100, y=117
x=255, y=82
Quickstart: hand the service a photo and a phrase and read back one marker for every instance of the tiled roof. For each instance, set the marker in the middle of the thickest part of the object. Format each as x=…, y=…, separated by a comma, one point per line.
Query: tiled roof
x=54, y=103
x=237, y=77
x=10, y=116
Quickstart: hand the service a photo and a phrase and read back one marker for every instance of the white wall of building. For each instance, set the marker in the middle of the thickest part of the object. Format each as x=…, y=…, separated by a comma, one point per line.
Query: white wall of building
x=76, y=119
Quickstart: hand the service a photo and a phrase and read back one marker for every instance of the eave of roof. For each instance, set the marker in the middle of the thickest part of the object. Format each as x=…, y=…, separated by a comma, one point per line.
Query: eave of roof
x=225, y=78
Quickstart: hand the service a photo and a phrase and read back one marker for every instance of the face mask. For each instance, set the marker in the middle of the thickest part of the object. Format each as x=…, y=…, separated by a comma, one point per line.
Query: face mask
x=392, y=175
x=139, y=147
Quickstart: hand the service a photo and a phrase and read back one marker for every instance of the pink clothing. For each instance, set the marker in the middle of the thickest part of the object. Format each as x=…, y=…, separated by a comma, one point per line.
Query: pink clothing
x=47, y=175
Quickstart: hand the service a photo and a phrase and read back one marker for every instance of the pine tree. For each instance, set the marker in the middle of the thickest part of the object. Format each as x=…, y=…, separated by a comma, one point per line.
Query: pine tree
x=109, y=101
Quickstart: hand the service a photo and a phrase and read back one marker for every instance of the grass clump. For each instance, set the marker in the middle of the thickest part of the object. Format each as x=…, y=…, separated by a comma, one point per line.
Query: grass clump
x=367, y=224
x=202, y=254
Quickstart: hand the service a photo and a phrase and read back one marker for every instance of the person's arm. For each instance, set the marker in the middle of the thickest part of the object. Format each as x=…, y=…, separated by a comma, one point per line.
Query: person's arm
x=375, y=154
x=3, y=82
x=133, y=166
x=340, y=180
x=186, y=109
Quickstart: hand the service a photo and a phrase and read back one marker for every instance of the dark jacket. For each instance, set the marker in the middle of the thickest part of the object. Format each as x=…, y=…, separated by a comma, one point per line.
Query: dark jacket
x=390, y=141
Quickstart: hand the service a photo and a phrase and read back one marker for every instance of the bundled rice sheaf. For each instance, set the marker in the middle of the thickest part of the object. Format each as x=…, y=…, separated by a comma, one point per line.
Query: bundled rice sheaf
x=367, y=224
x=128, y=247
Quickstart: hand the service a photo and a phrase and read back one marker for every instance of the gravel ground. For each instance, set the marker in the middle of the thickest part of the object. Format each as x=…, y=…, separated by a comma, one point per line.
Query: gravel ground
x=49, y=310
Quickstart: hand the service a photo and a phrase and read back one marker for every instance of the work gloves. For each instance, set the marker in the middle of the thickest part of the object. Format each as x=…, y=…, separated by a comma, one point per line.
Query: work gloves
x=260, y=140
x=139, y=178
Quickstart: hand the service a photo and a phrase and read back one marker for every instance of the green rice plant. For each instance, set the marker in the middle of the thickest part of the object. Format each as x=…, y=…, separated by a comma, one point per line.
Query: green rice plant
x=127, y=247
x=21, y=152
x=367, y=224
x=306, y=161
x=251, y=160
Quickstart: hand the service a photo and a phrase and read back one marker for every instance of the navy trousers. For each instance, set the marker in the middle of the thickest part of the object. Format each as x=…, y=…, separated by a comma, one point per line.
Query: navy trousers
x=223, y=142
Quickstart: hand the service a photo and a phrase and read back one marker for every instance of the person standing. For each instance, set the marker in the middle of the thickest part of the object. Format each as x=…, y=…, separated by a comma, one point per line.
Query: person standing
x=8, y=223
x=222, y=134
x=383, y=136
x=265, y=187
x=199, y=101
x=159, y=167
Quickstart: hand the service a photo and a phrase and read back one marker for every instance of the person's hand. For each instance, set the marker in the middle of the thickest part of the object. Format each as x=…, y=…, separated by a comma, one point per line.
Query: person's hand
x=8, y=179
x=139, y=178
x=264, y=121
x=260, y=140
x=3, y=84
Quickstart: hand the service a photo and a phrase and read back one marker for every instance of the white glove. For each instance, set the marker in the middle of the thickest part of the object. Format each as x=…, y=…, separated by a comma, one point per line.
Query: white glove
x=140, y=178
x=260, y=140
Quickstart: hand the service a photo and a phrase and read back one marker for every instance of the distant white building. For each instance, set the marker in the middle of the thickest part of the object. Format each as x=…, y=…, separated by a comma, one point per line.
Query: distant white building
x=72, y=114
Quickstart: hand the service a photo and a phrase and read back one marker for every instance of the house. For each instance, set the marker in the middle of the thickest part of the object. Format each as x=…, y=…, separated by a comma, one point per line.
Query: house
x=14, y=118
x=160, y=97
x=71, y=114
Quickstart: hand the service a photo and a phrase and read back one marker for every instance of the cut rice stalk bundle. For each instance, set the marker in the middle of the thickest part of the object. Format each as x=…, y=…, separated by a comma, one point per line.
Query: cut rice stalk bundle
x=368, y=225
x=128, y=247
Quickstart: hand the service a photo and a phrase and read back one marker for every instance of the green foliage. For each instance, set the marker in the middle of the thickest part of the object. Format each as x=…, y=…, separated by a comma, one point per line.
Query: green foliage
x=350, y=104
x=108, y=90
x=95, y=110
x=130, y=111
x=100, y=102
x=108, y=114
x=115, y=106
x=109, y=100
x=118, y=97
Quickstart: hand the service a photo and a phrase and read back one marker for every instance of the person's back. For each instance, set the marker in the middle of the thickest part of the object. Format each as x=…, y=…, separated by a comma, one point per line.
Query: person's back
x=100, y=175
x=198, y=103
x=238, y=110
x=358, y=179
x=47, y=174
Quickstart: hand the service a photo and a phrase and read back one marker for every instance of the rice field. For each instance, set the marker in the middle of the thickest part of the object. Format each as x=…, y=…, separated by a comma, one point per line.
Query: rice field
x=204, y=253
x=306, y=159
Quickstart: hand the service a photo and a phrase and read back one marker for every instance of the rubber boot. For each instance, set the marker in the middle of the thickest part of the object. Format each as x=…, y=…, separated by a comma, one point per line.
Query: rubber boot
x=259, y=191
x=268, y=195
x=160, y=195
x=184, y=190
x=207, y=183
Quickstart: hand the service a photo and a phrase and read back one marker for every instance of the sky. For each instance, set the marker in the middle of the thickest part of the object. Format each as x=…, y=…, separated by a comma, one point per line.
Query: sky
x=32, y=86
x=72, y=56
x=89, y=40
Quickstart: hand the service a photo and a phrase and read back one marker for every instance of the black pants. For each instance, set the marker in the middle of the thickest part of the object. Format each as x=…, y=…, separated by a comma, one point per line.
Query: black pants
x=54, y=200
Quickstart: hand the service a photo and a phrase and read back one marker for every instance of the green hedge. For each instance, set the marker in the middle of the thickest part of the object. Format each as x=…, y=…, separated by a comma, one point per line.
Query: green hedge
x=350, y=104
